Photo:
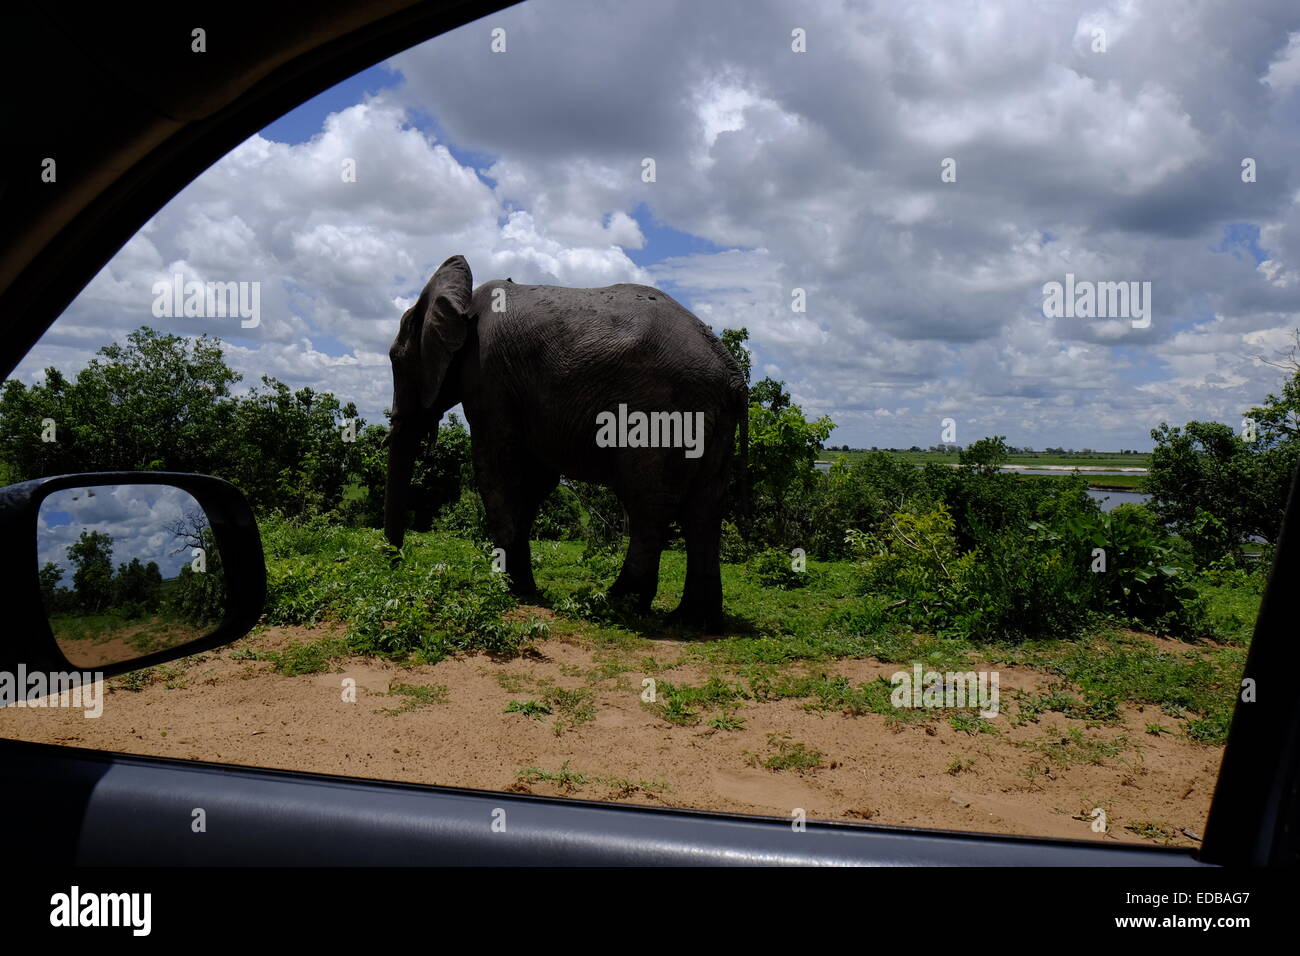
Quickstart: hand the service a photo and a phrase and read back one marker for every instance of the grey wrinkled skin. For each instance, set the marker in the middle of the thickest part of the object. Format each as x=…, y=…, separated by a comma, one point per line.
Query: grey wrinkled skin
x=533, y=379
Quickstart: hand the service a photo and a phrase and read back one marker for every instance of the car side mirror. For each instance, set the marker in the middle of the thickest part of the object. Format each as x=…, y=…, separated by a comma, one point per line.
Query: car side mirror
x=116, y=571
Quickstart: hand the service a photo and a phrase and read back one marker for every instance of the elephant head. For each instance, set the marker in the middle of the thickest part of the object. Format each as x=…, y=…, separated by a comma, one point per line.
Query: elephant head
x=431, y=333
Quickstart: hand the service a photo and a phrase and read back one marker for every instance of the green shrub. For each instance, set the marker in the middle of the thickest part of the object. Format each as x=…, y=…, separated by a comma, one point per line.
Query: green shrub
x=286, y=536
x=603, y=518
x=1141, y=584
x=560, y=516
x=732, y=545
x=1031, y=581
x=441, y=597
x=1231, y=596
x=915, y=563
x=774, y=569
x=1019, y=587
x=465, y=518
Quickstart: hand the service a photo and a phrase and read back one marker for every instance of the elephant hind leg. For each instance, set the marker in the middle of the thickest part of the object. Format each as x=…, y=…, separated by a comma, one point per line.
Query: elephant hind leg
x=701, y=604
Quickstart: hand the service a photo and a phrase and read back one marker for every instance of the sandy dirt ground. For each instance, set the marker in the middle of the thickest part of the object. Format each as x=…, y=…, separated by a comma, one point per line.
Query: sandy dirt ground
x=125, y=643
x=228, y=708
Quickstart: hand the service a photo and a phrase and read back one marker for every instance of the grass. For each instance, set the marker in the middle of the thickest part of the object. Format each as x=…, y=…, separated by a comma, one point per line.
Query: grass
x=571, y=707
x=1114, y=667
x=1152, y=830
x=416, y=696
x=135, y=681
x=1232, y=599
x=314, y=657
x=144, y=635
x=1075, y=747
x=972, y=724
x=727, y=720
x=528, y=708
x=1116, y=482
x=788, y=754
x=570, y=781
x=443, y=598
x=564, y=778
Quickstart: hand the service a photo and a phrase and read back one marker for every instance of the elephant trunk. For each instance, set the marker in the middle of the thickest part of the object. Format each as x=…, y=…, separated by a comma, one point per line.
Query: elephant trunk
x=403, y=443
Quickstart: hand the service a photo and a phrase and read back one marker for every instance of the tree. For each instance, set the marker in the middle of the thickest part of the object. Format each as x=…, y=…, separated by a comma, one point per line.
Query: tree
x=734, y=340
x=153, y=403
x=285, y=449
x=1278, y=419
x=770, y=394
x=50, y=575
x=783, y=446
x=92, y=557
x=1218, y=488
x=198, y=596
x=987, y=454
x=163, y=402
x=443, y=471
x=137, y=589
x=1207, y=484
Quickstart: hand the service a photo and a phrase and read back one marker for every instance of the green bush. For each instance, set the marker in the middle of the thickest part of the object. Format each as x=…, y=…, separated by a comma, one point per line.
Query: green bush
x=1019, y=587
x=914, y=561
x=284, y=536
x=560, y=516
x=442, y=597
x=465, y=518
x=1142, y=582
x=604, y=521
x=733, y=548
x=1034, y=580
x=1231, y=596
x=774, y=569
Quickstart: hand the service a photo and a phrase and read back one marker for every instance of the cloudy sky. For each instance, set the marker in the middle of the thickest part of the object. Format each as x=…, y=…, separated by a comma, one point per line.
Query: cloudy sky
x=136, y=517
x=777, y=170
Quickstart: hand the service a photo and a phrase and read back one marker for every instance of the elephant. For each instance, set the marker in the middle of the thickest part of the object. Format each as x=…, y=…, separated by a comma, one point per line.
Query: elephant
x=619, y=386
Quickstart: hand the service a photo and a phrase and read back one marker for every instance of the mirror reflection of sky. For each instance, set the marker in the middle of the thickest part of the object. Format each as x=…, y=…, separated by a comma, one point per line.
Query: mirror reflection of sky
x=139, y=518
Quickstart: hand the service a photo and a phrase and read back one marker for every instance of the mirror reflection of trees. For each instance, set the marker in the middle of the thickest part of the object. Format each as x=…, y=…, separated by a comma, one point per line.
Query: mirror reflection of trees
x=142, y=574
x=200, y=593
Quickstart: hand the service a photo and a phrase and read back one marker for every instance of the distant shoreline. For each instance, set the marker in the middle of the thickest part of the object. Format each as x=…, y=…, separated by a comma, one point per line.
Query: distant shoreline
x=1117, y=470
x=1098, y=472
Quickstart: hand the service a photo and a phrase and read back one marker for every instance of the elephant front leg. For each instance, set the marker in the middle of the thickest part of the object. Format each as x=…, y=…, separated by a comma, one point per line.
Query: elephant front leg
x=512, y=490
x=509, y=529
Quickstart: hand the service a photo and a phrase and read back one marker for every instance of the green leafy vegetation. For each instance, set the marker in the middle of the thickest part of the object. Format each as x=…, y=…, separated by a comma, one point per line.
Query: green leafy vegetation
x=529, y=708
x=441, y=598
x=788, y=754
x=416, y=696
x=571, y=781
x=313, y=657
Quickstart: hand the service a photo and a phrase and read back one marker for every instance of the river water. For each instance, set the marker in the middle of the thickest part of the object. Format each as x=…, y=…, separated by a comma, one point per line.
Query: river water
x=1110, y=500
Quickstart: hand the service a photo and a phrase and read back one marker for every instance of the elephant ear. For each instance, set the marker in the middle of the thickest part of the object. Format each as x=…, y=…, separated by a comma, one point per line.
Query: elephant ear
x=445, y=303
